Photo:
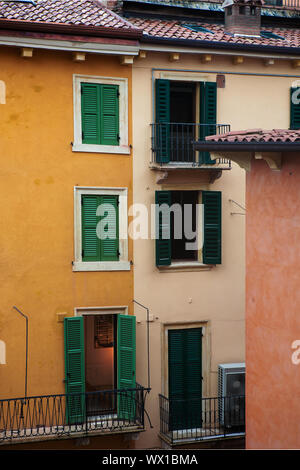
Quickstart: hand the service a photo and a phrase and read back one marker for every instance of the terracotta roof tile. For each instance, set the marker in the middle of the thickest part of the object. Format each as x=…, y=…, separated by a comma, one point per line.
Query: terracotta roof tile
x=257, y=135
x=71, y=12
x=167, y=29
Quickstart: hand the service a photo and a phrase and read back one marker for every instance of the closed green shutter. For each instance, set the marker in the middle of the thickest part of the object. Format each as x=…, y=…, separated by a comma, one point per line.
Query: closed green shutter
x=90, y=241
x=74, y=369
x=126, y=366
x=93, y=247
x=90, y=113
x=208, y=115
x=185, y=378
x=295, y=108
x=100, y=114
x=109, y=115
x=162, y=120
x=110, y=245
x=163, y=230
x=212, y=246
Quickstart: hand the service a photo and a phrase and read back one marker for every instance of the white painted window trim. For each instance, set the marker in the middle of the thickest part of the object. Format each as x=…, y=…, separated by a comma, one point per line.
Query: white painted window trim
x=115, y=310
x=78, y=146
x=123, y=264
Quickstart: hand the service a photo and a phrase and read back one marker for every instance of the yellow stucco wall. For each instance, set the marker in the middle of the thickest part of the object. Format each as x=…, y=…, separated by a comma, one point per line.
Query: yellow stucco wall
x=37, y=177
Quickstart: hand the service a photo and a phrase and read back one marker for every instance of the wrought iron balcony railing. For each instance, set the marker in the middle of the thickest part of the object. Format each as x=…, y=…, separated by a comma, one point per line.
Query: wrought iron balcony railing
x=199, y=419
x=72, y=415
x=172, y=144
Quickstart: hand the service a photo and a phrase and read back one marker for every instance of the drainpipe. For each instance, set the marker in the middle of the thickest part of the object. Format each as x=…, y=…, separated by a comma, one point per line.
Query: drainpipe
x=26, y=356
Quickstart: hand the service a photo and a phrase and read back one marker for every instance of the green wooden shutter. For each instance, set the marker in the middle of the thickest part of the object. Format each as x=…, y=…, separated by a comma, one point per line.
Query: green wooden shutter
x=90, y=241
x=185, y=378
x=162, y=120
x=126, y=365
x=74, y=369
x=93, y=247
x=109, y=115
x=110, y=246
x=208, y=115
x=294, y=109
x=90, y=113
x=212, y=246
x=163, y=227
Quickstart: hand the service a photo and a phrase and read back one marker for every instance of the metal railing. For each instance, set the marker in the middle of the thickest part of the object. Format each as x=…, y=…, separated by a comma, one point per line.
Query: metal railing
x=283, y=3
x=73, y=414
x=271, y=3
x=199, y=419
x=172, y=143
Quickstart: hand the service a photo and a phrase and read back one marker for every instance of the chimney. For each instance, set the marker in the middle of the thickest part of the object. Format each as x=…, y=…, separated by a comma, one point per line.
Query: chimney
x=111, y=4
x=243, y=17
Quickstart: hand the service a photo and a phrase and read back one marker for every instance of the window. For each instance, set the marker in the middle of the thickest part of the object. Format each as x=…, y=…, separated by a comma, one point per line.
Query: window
x=89, y=370
x=101, y=240
x=184, y=111
x=295, y=108
x=100, y=115
x=181, y=236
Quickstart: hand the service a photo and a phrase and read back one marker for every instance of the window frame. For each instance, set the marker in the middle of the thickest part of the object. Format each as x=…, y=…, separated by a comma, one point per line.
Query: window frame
x=123, y=264
x=78, y=145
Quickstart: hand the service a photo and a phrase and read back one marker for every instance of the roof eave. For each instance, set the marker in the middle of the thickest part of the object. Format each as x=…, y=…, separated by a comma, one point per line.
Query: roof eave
x=209, y=146
x=220, y=45
x=106, y=31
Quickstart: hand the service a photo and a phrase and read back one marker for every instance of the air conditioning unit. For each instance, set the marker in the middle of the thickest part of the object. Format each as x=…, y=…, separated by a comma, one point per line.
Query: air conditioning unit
x=231, y=395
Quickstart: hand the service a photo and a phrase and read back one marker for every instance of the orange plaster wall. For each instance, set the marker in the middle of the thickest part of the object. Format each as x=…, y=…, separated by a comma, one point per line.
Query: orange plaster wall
x=37, y=177
x=273, y=305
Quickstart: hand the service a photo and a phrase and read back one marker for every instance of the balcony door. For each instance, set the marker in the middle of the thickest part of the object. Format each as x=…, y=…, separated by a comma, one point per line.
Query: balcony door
x=178, y=107
x=100, y=362
x=185, y=378
x=100, y=366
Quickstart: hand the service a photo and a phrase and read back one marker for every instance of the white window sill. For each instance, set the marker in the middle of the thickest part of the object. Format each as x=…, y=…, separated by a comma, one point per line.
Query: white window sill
x=91, y=148
x=184, y=266
x=101, y=266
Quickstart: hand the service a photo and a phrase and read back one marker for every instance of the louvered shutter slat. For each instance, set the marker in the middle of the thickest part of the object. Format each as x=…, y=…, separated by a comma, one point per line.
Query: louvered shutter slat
x=90, y=241
x=90, y=113
x=212, y=247
x=74, y=369
x=109, y=115
x=295, y=108
x=162, y=113
x=163, y=229
x=208, y=115
x=110, y=244
x=126, y=366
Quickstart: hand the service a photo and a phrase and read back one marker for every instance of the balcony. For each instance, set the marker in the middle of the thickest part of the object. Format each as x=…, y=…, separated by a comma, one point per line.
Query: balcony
x=74, y=415
x=194, y=420
x=172, y=147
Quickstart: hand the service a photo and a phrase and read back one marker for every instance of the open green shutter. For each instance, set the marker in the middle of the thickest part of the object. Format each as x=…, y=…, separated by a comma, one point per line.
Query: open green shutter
x=295, y=108
x=162, y=120
x=163, y=229
x=90, y=241
x=126, y=365
x=208, y=115
x=109, y=115
x=109, y=246
x=74, y=369
x=185, y=378
x=212, y=246
x=90, y=113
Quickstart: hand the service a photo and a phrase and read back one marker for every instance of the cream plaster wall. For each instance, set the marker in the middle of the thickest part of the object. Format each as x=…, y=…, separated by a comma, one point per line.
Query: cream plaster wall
x=214, y=297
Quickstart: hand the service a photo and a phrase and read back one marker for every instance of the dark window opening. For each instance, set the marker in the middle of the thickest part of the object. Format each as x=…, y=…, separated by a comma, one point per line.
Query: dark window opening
x=242, y=10
x=188, y=223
